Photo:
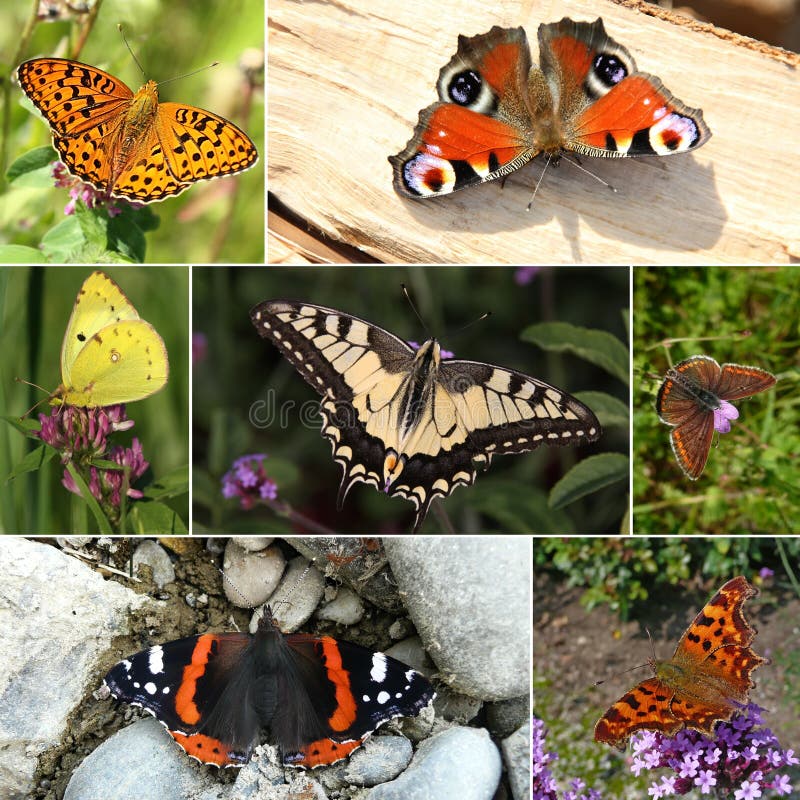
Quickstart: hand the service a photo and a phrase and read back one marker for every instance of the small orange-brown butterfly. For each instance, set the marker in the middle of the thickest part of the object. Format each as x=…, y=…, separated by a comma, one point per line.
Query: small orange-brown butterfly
x=703, y=683
x=130, y=145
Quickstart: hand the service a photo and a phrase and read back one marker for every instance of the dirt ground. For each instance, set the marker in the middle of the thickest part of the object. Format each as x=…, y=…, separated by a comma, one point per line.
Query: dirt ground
x=574, y=648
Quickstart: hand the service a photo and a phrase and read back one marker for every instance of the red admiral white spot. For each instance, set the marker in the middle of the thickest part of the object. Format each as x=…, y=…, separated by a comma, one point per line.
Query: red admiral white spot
x=319, y=698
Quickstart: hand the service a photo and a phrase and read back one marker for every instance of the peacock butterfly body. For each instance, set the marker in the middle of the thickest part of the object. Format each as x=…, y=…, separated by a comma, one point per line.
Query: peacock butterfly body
x=496, y=111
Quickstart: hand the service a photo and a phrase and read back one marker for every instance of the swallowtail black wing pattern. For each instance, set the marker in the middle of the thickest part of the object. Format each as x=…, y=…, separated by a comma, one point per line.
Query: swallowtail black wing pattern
x=406, y=421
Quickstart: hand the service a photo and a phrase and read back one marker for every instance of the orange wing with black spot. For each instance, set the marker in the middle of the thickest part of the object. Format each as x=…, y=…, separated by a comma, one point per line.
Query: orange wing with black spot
x=707, y=678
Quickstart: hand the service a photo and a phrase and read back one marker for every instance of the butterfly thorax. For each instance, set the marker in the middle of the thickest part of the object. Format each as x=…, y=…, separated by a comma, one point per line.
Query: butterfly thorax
x=547, y=135
x=704, y=397
x=416, y=394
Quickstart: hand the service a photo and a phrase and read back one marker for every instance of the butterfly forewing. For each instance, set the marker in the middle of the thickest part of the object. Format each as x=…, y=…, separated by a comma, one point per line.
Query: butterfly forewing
x=737, y=381
x=73, y=97
x=405, y=422
x=99, y=303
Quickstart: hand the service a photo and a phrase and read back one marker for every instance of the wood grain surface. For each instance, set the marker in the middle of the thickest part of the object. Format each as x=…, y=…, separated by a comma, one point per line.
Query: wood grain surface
x=347, y=81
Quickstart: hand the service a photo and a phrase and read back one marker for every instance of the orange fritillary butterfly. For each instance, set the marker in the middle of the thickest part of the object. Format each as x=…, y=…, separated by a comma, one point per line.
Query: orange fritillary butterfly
x=701, y=684
x=130, y=145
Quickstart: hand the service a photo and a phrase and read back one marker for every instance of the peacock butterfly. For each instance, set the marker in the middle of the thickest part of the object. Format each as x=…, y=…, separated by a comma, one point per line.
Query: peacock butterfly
x=496, y=111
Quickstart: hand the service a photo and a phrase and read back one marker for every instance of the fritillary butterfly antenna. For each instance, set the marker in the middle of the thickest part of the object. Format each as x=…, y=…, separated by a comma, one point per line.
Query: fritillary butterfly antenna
x=130, y=50
x=168, y=80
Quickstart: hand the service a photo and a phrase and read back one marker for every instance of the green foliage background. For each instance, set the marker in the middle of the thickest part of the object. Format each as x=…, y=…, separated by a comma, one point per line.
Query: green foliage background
x=170, y=39
x=751, y=483
x=241, y=369
x=35, y=305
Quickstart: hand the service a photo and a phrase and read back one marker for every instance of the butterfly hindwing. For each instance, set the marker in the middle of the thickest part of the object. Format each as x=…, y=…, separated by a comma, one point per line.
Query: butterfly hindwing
x=409, y=423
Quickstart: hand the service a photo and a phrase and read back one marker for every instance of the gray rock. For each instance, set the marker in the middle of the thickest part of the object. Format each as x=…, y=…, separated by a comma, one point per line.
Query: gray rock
x=455, y=706
x=153, y=555
x=253, y=543
x=411, y=651
x=469, y=598
x=345, y=609
x=458, y=764
x=140, y=761
x=251, y=576
x=381, y=759
x=295, y=599
x=505, y=716
x=517, y=755
x=57, y=616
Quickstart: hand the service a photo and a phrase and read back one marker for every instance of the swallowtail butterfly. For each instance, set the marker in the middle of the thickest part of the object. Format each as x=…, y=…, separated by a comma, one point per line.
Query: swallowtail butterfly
x=407, y=421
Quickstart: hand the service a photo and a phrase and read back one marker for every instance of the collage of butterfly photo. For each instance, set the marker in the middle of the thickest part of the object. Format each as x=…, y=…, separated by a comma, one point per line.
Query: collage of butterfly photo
x=399, y=400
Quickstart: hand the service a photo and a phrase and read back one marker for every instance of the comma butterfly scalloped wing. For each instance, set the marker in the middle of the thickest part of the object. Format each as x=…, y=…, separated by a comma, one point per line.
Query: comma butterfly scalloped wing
x=703, y=682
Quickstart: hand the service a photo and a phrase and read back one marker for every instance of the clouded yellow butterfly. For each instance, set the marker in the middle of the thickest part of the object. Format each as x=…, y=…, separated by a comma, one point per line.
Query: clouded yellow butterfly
x=109, y=355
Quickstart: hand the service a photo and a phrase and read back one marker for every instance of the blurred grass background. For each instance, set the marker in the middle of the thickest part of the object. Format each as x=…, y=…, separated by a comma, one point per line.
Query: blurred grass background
x=35, y=306
x=170, y=39
x=240, y=368
x=751, y=483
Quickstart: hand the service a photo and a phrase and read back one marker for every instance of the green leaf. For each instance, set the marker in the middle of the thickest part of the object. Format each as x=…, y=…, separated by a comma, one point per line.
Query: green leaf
x=172, y=484
x=155, y=518
x=519, y=512
x=596, y=346
x=32, y=461
x=588, y=476
x=65, y=239
x=19, y=254
x=34, y=162
x=609, y=410
x=102, y=522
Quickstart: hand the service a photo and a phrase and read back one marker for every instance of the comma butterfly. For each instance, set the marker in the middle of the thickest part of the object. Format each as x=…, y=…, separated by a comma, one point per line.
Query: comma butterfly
x=704, y=681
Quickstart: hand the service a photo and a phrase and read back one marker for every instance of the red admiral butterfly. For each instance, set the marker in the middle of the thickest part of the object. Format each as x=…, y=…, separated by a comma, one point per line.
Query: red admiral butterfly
x=695, y=397
x=320, y=698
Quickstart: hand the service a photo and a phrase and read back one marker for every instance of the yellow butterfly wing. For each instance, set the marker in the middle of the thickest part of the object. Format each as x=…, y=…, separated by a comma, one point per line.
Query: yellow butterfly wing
x=100, y=302
x=109, y=355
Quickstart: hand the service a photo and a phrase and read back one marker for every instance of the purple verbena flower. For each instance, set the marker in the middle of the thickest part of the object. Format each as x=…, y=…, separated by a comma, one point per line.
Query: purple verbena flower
x=723, y=415
x=248, y=481
x=445, y=354
x=739, y=762
x=765, y=572
x=544, y=785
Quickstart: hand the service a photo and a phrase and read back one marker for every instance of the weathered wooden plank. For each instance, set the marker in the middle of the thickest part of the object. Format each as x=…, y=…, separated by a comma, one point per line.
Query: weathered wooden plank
x=347, y=79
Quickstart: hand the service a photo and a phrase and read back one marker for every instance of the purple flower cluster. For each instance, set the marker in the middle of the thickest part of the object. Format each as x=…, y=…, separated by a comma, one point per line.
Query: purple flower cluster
x=737, y=763
x=544, y=785
x=91, y=197
x=248, y=481
x=81, y=435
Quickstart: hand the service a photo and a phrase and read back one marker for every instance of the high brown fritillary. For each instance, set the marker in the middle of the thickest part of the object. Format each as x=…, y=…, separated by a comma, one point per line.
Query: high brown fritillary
x=130, y=145
x=705, y=681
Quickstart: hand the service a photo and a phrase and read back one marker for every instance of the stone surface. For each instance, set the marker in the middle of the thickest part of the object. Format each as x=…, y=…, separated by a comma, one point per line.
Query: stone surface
x=57, y=617
x=294, y=601
x=505, y=716
x=469, y=599
x=517, y=754
x=458, y=764
x=151, y=554
x=251, y=576
x=345, y=609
